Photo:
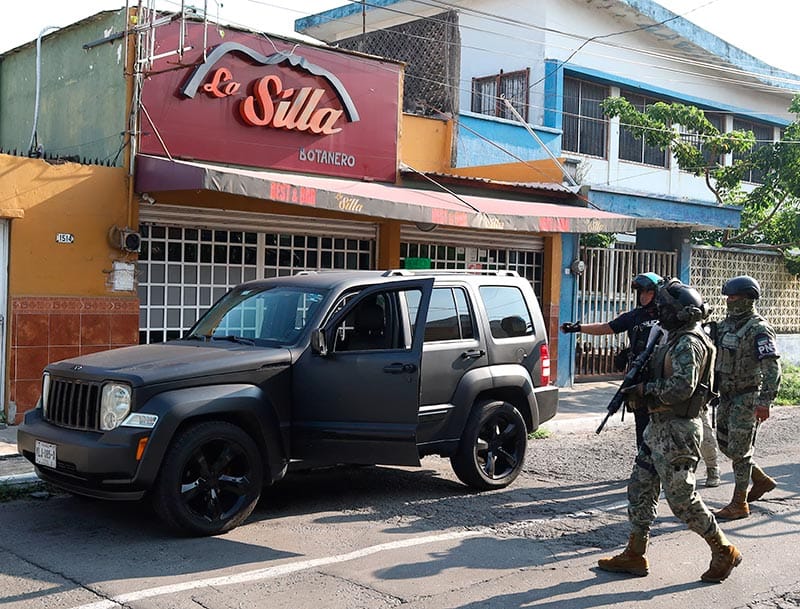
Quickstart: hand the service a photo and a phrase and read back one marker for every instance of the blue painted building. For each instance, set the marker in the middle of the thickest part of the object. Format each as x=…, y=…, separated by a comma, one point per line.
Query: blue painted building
x=554, y=61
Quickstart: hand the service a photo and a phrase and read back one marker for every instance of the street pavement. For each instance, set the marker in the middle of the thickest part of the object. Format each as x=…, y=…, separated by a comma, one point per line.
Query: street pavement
x=580, y=408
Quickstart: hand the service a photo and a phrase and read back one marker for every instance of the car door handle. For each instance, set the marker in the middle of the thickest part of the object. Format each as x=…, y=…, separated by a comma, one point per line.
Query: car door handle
x=399, y=368
x=473, y=353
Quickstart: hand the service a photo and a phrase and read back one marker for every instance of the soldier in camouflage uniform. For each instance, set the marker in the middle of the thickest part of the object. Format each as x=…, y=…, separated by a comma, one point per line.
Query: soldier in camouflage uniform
x=637, y=323
x=748, y=376
x=678, y=383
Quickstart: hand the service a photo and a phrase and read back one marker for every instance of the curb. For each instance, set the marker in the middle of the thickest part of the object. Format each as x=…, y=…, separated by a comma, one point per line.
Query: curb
x=19, y=479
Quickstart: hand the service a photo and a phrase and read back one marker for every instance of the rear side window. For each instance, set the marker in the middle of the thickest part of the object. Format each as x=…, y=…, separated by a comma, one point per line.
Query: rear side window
x=507, y=311
x=449, y=315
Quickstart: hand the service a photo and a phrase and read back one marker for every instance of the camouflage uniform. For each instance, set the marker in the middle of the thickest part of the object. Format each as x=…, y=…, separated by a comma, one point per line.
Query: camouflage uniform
x=748, y=375
x=679, y=378
x=671, y=451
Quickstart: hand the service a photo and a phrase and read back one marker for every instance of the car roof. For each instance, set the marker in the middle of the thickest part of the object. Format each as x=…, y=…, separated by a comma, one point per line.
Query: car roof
x=326, y=280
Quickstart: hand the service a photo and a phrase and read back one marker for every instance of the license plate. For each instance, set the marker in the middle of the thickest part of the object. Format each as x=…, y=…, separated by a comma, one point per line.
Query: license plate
x=45, y=454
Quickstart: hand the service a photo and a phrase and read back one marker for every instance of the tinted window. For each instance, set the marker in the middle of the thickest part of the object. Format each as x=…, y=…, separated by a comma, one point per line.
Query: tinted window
x=464, y=315
x=378, y=322
x=449, y=316
x=507, y=311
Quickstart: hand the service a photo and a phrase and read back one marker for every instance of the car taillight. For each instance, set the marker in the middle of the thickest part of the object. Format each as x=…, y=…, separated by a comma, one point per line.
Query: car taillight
x=544, y=362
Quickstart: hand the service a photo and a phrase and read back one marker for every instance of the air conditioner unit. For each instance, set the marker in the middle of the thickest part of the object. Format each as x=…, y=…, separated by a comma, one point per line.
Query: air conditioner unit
x=125, y=239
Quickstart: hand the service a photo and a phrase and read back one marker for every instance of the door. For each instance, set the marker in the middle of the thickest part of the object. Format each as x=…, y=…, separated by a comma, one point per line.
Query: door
x=359, y=402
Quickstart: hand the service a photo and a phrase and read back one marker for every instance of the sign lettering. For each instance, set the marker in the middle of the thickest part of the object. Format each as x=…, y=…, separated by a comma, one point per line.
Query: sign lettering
x=349, y=203
x=289, y=193
x=273, y=106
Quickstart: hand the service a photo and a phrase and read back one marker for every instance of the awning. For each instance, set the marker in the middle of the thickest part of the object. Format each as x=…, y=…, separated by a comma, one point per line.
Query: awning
x=157, y=174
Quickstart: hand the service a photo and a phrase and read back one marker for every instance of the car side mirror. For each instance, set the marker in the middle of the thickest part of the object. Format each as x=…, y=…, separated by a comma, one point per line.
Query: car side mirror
x=319, y=344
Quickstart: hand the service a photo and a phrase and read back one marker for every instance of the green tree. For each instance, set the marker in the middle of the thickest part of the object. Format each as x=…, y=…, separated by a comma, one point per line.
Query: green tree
x=770, y=210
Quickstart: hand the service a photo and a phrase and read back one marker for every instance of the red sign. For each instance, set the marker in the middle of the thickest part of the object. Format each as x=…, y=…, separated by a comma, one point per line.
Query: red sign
x=266, y=103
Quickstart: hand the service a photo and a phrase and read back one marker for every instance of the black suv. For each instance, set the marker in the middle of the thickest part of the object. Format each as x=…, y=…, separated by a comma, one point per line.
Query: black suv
x=351, y=367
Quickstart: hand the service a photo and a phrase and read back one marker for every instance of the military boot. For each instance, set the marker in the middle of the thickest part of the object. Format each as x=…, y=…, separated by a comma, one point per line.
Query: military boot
x=712, y=476
x=736, y=509
x=724, y=557
x=632, y=560
x=761, y=484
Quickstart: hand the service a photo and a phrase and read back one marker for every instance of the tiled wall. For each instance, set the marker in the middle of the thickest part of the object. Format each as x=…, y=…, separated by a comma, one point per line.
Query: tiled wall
x=48, y=329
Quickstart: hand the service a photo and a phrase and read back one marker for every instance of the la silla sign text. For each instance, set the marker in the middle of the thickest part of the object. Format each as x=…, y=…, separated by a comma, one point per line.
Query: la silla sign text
x=271, y=105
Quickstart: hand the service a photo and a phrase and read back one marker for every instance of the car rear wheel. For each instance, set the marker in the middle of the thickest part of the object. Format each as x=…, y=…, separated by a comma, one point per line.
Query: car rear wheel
x=210, y=479
x=491, y=452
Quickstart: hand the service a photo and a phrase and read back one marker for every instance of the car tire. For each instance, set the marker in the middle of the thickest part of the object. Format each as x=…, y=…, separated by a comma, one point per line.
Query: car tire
x=210, y=479
x=492, y=449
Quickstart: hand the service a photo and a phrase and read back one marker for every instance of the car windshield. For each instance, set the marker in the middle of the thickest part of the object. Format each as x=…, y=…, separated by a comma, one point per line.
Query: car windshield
x=272, y=316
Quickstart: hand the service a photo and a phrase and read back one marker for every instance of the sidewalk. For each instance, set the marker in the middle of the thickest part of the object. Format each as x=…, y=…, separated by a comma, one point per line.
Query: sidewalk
x=581, y=408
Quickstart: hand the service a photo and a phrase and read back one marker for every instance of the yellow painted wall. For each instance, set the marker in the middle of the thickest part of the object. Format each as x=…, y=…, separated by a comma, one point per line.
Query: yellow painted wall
x=425, y=143
x=83, y=200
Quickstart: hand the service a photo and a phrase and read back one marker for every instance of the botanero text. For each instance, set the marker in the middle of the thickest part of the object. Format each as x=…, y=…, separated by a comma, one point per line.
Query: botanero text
x=325, y=157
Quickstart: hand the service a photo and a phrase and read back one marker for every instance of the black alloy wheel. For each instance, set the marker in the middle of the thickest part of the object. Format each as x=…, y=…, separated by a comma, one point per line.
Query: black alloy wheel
x=210, y=480
x=492, y=448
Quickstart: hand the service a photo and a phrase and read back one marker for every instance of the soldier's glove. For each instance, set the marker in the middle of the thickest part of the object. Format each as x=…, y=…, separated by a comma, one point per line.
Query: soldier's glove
x=634, y=391
x=571, y=327
x=762, y=413
x=633, y=396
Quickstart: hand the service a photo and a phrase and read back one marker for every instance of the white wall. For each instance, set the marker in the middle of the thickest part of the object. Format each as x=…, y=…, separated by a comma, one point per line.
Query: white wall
x=490, y=44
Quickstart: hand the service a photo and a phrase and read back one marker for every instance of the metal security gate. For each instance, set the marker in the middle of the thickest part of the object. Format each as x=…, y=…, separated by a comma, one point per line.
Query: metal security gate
x=191, y=256
x=453, y=249
x=604, y=291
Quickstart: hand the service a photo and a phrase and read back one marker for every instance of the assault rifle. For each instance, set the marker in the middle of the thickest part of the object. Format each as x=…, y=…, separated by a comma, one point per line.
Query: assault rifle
x=632, y=376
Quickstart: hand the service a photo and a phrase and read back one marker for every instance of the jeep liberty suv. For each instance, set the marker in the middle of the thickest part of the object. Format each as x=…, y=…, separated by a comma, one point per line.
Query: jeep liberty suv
x=333, y=367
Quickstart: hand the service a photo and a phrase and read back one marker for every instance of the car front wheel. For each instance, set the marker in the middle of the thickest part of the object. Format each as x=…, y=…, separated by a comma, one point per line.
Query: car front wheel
x=491, y=452
x=210, y=479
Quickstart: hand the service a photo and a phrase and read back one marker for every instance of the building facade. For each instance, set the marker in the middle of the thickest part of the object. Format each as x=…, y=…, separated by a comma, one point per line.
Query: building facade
x=524, y=82
x=182, y=158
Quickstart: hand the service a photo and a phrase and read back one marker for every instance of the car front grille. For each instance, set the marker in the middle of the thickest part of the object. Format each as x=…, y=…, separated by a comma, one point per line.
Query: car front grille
x=74, y=404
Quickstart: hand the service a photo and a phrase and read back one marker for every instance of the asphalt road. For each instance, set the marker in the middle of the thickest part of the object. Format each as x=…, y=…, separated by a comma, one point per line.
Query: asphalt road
x=376, y=537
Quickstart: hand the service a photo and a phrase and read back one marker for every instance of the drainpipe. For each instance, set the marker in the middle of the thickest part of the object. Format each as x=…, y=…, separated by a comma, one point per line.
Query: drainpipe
x=38, y=84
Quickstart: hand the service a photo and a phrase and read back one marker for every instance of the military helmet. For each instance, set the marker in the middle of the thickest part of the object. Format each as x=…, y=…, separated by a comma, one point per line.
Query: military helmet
x=679, y=304
x=647, y=281
x=743, y=285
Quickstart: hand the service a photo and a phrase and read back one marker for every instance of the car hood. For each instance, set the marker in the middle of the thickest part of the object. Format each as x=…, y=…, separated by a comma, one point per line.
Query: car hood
x=149, y=364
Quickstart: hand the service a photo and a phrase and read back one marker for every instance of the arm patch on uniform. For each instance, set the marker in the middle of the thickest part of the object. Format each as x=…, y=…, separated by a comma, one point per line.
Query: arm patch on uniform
x=765, y=346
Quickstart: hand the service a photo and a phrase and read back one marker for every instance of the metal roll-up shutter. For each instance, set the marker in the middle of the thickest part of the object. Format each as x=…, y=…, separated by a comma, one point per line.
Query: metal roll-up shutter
x=477, y=250
x=191, y=256
x=472, y=238
x=201, y=217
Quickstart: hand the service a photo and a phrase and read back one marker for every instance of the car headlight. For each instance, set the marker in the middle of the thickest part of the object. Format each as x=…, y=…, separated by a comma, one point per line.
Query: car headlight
x=45, y=392
x=115, y=405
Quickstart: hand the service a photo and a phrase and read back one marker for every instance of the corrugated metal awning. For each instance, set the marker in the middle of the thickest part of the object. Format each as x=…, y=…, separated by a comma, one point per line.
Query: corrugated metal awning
x=370, y=199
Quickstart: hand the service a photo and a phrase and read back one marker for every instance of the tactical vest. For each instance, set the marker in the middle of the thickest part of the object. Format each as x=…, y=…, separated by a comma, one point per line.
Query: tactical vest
x=737, y=367
x=660, y=366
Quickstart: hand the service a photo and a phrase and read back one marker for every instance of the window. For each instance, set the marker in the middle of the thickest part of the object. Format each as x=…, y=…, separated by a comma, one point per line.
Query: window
x=635, y=149
x=272, y=317
x=449, y=316
x=507, y=311
x=584, y=124
x=763, y=135
x=378, y=321
x=488, y=90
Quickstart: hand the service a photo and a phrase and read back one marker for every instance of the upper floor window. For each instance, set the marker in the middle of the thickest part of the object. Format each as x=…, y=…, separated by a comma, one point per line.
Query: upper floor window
x=636, y=149
x=488, y=91
x=584, y=124
x=764, y=137
x=695, y=139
